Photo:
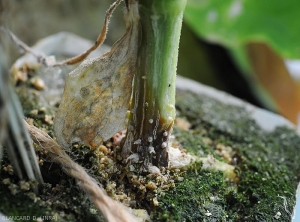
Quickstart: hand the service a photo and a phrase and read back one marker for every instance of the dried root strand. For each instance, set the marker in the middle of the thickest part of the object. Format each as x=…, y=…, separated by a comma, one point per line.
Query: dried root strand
x=99, y=41
x=71, y=61
x=40, y=57
x=113, y=211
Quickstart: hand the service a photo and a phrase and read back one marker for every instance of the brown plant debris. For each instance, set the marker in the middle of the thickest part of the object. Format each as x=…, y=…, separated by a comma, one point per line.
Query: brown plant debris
x=97, y=93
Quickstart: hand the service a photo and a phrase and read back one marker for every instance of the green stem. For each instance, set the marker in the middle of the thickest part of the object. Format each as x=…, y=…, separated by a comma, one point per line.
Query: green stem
x=153, y=102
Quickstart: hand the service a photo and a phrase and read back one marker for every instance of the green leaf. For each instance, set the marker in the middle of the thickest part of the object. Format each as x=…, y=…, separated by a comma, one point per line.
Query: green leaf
x=236, y=22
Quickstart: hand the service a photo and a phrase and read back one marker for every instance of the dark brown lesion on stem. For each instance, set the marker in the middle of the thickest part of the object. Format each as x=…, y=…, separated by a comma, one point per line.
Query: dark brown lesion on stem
x=151, y=146
x=161, y=144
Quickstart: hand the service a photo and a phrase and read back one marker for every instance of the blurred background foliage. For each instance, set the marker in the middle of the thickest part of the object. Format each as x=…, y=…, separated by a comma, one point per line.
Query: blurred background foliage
x=238, y=46
x=257, y=37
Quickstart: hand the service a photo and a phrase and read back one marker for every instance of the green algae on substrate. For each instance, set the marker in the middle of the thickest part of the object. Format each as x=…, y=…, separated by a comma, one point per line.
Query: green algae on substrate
x=30, y=100
x=267, y=165
x=193, y=199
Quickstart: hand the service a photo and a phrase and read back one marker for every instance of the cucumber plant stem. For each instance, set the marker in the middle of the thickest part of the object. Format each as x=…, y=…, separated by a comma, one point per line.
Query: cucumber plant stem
x=152, y=110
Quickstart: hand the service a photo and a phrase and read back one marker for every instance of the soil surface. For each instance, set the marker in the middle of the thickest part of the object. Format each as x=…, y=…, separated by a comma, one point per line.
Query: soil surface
x=266, y=169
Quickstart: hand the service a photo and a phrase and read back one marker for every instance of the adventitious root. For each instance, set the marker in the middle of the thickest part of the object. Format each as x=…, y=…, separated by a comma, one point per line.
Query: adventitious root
x=112, y=211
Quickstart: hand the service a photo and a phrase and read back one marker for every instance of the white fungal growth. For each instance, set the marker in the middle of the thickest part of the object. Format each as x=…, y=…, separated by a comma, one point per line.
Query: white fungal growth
x=171, y=106
x=131, y=168
x=137, y=141
x=165, y=133
x=150, y=120
x=150, y=139
x=134, y=158
x=170, y=119
x=164, y=145
x=277, y=216
x=151, y=150
x=154, y=170
x=208, y=213
x=181, y=160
